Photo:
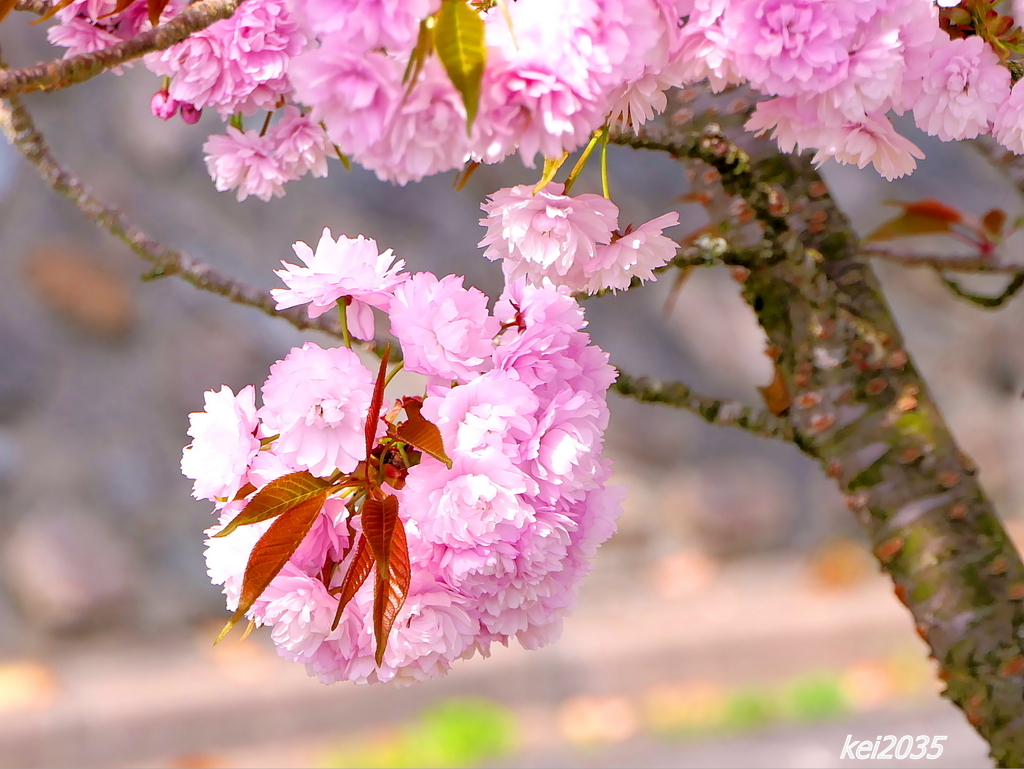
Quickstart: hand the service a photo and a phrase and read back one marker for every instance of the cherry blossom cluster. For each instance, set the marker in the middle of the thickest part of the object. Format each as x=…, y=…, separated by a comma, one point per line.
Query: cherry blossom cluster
x=832, y=73
x=575, y=242
x=498, y=541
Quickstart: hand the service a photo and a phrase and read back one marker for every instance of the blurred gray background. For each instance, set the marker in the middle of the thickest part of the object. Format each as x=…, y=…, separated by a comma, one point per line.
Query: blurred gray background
x=100, y=541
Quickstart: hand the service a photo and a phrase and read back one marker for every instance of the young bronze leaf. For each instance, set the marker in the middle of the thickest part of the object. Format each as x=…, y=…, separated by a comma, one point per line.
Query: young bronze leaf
x=391, y=590
x=909, y=225
x=380, y=517
x=121, y=5
x=376, y=404
x=421, y=434
x=994, y=221
x=53, y=11
x=929, y=208
x=776, y=395
x=6, y=6
x=155, y=8
x=276, y=497
x=921, y=217
x=358, y=570
x=273, y=550
x=459, y=41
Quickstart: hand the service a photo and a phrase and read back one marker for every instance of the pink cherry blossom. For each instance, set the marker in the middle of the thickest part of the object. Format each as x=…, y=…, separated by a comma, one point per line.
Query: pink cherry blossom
x=317, y=400
x=493, y=412
x=444, y=328
x=547, y=235
x=1009, y=122
x=346, y=267
x=246, y=162
x=223, y=443
x=962, y=90
x=366, y=25
x=635, y=254
x=427, y=134
x=354, y=95
x=237, y=64
x=300, y=144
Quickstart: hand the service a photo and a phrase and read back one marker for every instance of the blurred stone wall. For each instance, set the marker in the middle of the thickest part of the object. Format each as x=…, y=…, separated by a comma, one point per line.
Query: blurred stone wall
x=98, y=371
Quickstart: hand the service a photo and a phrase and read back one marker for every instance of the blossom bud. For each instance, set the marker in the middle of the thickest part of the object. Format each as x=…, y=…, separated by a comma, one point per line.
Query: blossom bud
x=190, y=114
x=163, y=105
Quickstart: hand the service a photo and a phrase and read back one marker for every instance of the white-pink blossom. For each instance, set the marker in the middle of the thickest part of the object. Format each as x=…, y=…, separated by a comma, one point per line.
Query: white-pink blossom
x=223, y=443
x=346, y=267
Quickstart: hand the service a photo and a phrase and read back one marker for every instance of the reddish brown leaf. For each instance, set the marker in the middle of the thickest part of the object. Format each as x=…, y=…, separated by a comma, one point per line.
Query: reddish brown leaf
x=376, y=404
x=155, y=7
x=908, y=225
x=6, y=6
x=391, y=590
x=994, y=221
x=776, y=395
x=928, y=208
x=243, y=492
x=54, y=9
x=420, y=433
x=276, y=497
x=272, y=552
x=380, y=517
x=358, y=570
x=120, y=6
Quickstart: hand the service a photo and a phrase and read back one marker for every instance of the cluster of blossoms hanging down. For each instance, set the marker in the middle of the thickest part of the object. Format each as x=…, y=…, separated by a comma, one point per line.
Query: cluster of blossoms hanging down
x=385, y=538
x=410, y=89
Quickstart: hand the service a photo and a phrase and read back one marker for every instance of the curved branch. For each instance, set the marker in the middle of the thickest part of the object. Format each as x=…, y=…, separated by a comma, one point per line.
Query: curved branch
x=62, y=73
x=988, y=302
x=715, y=411
x=941, y=263
x=17, y=125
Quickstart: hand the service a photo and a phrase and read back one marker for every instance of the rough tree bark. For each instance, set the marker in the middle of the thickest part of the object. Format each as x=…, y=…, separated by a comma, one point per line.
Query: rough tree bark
x=861, y=409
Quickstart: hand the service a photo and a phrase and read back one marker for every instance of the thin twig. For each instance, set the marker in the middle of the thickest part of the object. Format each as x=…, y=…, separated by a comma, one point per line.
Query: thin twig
x=988, y=302
x=942, y=263
x=716, y=411
x=53, y=75
x=17, y=125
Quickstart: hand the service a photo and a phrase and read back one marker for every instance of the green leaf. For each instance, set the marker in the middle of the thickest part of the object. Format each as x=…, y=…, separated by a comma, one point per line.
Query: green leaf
x=276, y=497
x=358, y=570
x=420, y=433
x=272, y=552
x=551, y=166
x=459, y=41
x=420, y=54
